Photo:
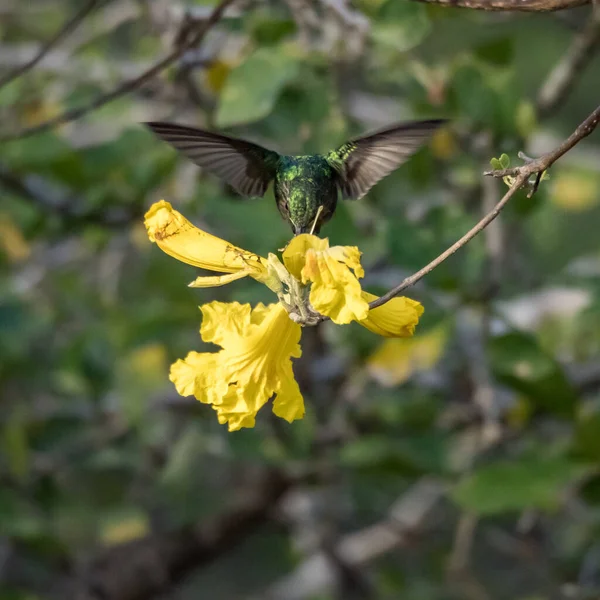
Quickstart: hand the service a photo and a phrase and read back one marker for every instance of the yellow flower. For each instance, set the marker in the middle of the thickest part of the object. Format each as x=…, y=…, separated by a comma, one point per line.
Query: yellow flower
x=335, y=290
x=258, y=344
x=398, y=319
x=396, y=360
x=254, y=364
x=176, y=236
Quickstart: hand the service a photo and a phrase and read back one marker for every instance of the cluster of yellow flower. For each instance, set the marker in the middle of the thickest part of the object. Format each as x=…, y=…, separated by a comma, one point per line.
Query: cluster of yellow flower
x=313, y=281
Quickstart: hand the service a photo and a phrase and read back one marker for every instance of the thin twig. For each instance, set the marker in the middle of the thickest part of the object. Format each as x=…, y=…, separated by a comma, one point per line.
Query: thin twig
x=65, y=30
x=559, y=82
x=409, y=281
x=544, y=162
x=463, y=543
x=522, y=175
x=70, y=209
x=126, y=86
x=510, y=5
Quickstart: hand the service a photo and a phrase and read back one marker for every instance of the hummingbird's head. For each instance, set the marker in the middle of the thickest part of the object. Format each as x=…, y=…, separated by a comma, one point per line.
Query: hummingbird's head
x=300, y=217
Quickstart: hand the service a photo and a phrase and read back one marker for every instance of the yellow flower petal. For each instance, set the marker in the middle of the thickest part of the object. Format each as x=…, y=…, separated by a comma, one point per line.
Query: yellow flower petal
x=205, y=281
x=222, y=319
x=335, y=291
x=294, y=256
x=288, y=404
x=176, y=236
x=193, y=373
x=396, y=360
x=396, y=318
x=350, y=256
x=253, y=365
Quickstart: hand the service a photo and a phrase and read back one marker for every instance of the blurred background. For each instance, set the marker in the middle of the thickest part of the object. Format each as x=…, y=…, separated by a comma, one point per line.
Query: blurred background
x=462, y=463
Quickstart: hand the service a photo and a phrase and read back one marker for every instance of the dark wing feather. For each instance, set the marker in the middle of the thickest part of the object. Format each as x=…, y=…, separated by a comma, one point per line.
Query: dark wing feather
x=364, y=161
x=245, y=166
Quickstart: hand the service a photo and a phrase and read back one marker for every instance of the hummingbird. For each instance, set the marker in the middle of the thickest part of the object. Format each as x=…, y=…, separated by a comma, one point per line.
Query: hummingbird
x=306, y=187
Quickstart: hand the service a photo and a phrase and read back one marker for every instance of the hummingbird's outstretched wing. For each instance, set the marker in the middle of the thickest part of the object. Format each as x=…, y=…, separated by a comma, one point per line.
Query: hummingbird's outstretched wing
x=245, y=166
x=363, y=161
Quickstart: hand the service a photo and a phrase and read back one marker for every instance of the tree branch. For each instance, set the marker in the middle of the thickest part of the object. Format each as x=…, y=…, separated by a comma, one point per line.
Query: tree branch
x=539, y=165
x=316, y=575
x=511, y=5
x=559, y=82
x=129, y=85
x=66, y=29
x=522, y=175
x=140, y=569
x=51, y=200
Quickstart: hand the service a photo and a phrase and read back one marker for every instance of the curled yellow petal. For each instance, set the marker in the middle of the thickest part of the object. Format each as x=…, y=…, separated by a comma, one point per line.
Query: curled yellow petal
x=395, y=361
x=205, y=281
x=350, y=256
x=253, y=365
x=396, y=318
x=176, y=236
x=335, y=290
x=294, y=256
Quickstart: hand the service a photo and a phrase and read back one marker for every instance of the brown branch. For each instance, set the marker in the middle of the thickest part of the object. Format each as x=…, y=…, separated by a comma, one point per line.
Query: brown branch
x=143, y=568
x=407, y=517
x=521, y=175
x=126, y=86
x=539, y=165
x=560, y=81
x=511, y=5
x=70, y=208
x=65, y=30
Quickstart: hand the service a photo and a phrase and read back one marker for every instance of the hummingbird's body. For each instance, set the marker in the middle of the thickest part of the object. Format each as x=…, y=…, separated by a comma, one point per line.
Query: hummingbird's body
x=302, y=184
x=306, y=187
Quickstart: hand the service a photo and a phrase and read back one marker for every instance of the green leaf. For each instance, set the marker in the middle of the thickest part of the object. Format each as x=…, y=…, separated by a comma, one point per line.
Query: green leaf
x=525, y=118
x=496, y=164
x=251, y=89
x=473, y=96
x=504, y=161
x=515, y=486
x=499, y=51
x=41, y=152
x=268, y=30
x=586, y=442
x=16, y=445
x=590, y=490
x=401, y=24
x=486, y=95
x=17, y=517
x=519, y=362
x=424, y=453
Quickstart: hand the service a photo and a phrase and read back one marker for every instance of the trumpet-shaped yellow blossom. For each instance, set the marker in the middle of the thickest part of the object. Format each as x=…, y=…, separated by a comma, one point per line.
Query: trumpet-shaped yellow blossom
x=177, y=237
x=254, y=364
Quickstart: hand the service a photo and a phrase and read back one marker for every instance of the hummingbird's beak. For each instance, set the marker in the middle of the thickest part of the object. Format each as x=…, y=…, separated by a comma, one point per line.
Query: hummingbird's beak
x=311, y=230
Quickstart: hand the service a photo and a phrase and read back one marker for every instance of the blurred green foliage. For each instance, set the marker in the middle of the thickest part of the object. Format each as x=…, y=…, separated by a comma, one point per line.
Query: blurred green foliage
x=96, y=448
